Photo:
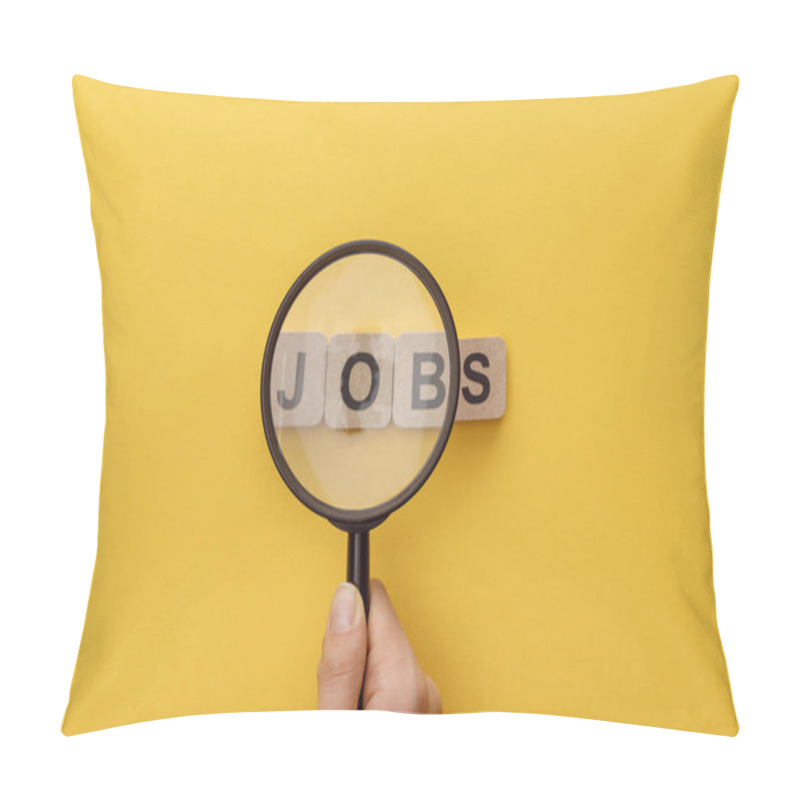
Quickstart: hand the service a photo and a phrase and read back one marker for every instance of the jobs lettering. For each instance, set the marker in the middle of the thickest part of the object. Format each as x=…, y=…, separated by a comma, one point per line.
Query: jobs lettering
x=367, y=380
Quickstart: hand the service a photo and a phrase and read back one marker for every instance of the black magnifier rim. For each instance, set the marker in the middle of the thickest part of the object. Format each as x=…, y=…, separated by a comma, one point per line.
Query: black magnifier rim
x=366, y=518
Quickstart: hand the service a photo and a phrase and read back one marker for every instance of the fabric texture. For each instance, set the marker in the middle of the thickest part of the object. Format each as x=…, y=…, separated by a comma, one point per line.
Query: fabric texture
x=558, y=561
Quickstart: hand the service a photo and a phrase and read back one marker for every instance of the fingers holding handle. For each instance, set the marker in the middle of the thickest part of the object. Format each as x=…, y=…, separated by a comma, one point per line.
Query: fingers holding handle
x=375, y=652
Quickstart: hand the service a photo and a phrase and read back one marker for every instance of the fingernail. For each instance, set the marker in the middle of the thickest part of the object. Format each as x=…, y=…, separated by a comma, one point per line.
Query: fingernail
x=343, y=608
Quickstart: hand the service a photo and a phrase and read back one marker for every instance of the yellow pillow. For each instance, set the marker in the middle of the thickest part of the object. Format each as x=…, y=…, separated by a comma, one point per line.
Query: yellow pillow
x=559, y=559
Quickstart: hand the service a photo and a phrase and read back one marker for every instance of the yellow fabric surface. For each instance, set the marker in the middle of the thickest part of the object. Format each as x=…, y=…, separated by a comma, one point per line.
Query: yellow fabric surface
x=558, y=560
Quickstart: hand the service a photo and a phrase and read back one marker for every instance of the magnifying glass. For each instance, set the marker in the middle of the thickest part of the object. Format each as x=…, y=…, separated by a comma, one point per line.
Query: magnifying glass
x=359, y=387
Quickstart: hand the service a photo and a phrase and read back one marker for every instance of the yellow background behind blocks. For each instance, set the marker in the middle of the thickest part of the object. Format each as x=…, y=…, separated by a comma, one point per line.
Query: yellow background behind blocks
x=558, y=561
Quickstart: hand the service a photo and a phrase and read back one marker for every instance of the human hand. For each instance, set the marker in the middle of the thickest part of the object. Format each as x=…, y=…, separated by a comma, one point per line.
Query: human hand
x=376, y=651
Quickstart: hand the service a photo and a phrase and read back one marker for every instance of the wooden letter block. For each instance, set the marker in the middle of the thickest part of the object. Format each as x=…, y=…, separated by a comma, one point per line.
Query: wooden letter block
x=483, y=379
x=359, y=381
x=298, y=380
x=422, y=375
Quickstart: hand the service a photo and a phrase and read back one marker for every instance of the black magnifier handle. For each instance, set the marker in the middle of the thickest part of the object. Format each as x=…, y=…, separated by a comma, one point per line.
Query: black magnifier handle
x=358, y=574
x=358, y=564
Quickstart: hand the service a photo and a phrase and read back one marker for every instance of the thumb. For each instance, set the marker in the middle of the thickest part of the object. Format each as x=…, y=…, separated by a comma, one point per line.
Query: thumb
x=344, y=651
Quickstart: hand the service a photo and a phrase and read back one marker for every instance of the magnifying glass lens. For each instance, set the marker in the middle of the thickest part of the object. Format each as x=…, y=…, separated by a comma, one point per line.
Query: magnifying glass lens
x=360, y=381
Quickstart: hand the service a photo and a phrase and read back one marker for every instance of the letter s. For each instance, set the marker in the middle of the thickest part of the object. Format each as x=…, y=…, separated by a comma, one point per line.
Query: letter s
x=476, y=377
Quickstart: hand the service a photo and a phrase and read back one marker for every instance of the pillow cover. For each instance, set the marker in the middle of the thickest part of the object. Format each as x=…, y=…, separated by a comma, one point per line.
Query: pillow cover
x=559, y=559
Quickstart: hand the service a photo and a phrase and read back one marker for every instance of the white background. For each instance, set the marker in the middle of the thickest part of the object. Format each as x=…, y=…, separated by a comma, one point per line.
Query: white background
x=52, y=397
